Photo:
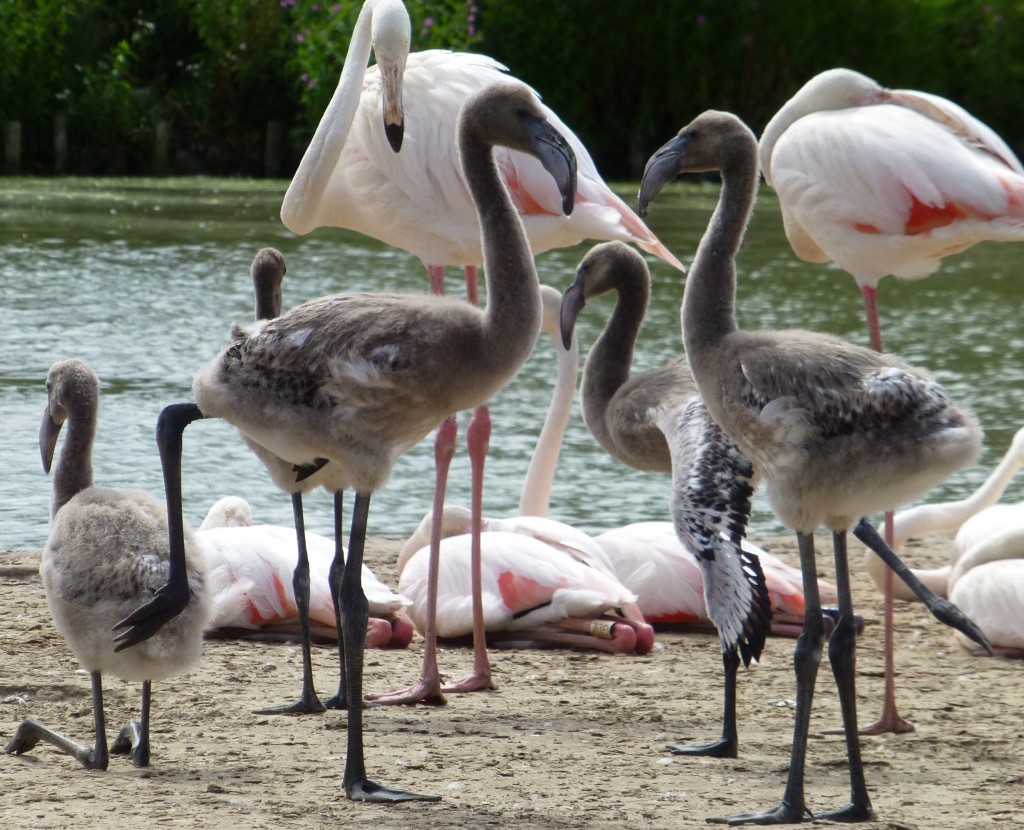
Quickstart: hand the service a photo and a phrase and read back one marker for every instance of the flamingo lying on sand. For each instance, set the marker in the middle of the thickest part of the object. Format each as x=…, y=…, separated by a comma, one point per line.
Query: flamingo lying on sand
x=250, y=572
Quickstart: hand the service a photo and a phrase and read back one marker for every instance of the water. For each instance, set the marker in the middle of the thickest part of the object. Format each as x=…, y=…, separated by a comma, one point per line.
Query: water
x=142, y=277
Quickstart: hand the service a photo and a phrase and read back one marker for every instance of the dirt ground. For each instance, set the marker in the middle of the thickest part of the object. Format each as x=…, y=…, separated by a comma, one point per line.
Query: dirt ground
x=569, y=740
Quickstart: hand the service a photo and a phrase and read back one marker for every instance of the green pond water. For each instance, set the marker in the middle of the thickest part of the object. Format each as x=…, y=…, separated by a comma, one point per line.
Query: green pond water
x=141, y=278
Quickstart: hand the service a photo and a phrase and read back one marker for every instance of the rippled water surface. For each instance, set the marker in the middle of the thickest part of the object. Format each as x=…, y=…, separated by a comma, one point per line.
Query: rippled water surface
x=141, y=278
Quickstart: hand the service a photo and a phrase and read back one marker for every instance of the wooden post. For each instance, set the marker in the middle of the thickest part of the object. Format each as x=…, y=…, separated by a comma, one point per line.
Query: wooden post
x=273, y=149
x=161, y=148
x=60, y=142
x=12, y=148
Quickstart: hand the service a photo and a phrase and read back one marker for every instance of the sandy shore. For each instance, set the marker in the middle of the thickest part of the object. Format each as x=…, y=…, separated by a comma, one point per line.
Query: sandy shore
x=569, y=740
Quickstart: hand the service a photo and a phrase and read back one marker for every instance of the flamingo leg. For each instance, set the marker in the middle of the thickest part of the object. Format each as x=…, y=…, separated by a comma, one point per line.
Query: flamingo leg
x=427, y=689
x=890, y=719
x=728, y=745
x=478, y=437
x=308, y=703
x=31, y=732
x=134, y=735
x=806, y=659
x=614, y=637
x=354, y=621
x=842, y=653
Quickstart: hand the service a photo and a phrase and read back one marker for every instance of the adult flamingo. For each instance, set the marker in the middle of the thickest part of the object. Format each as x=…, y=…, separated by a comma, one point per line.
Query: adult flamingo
x=251, y=570
x=354, y=380
x=544, y=580
x=835, y=431
x=972, y=519
x=418, y=199
x=885, y=182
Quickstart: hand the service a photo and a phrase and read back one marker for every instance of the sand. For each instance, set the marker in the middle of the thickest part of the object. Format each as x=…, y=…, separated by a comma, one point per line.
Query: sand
x=569, y=740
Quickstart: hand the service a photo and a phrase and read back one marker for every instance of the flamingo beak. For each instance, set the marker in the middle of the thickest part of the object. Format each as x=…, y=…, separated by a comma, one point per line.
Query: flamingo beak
x=661, y=168
x=394, y=113
x=558, y=158
x=573, y=301
x=48, y=432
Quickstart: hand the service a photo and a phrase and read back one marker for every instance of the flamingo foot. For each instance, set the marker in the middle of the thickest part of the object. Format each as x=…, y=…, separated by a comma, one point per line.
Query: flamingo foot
x=474, y=682
x=130, y=741
x=722, y=748
x=887, y=722
x=425, y=691
x=850, y=813
x=366, y=790
x=378, y=633
x=308, y=704
x=401, y=632
x=644, y=637
x=784, y=813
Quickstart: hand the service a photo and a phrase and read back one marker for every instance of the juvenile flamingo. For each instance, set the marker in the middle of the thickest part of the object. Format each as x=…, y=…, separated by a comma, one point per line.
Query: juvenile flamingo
x=107, y=552
x=834, y=430
x=885, y=182
x=354, y=380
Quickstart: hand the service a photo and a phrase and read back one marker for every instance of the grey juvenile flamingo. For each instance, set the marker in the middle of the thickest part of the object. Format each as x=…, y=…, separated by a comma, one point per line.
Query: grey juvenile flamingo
x=834, y=430
x=354, y=380
x=107, y=552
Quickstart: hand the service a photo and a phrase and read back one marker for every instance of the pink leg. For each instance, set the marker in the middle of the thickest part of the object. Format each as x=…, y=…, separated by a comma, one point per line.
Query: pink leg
x=436, y=275
x=890, y=719
x=472, y=290
x=478, y=437
x=428, y=688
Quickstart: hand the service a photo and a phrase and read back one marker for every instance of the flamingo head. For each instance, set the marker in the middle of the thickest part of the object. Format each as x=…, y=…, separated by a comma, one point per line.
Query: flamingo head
x=390, y=33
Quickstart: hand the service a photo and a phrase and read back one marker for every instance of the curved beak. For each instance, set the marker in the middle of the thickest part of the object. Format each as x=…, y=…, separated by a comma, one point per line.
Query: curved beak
x=48, y=432
x=661, y=168
x=572, y=304
x=558, y=159
x=394, y=115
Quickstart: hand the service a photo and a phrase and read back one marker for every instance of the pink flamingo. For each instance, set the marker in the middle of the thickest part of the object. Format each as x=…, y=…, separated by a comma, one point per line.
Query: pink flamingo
x=418, y=199
x=885, y=182
x=250, y=571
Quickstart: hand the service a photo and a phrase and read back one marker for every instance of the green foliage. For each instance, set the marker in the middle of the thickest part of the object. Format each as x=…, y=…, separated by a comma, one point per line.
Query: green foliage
x=624, y=74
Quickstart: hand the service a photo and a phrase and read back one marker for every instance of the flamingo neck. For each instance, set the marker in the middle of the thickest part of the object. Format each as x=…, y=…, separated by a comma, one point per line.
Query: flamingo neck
x=709, y=301
x=306, y=190
x=513, y=314
x=610, y=359
x=73, y=473
x=535, y=499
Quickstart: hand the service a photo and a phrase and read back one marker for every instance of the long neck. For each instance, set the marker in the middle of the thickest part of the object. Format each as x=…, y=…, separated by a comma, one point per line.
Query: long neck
x=74, y=467
x=304, y=194
x=709, y=302
x=513, y=315
x=948, y=516
x=540, y=476
x=610, y=359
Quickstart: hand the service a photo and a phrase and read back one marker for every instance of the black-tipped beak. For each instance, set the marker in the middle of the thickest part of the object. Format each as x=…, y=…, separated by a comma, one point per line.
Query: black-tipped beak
x=572, y=304
x=661, y=168
x=558, y=159
x=48, y=432
x=395, y=134
x=391, y=75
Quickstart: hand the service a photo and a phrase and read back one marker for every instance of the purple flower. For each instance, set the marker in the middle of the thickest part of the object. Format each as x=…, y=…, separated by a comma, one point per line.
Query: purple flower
x=701, y=19
x=299, y=37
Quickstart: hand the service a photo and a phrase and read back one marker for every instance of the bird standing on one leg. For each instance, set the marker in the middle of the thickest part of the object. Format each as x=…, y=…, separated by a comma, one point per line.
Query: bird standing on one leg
x=883, y=182
x=834, y=430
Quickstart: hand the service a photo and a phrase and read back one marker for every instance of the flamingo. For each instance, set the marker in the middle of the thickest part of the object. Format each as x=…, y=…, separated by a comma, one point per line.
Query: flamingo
x=656, y=421
x=418, y=199
x=250, y=571
x=354, y=380
x=107, y=552
x=885, y=182
x=972, y=519
x=543, y=579
x=834, y=430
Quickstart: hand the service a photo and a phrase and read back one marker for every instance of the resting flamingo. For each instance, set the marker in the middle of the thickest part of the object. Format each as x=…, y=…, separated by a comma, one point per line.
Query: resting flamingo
x=885, y=182
x=835, y=431
x=354, y=380
x=543, y=579
x=250, y=570
x=418, y=199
